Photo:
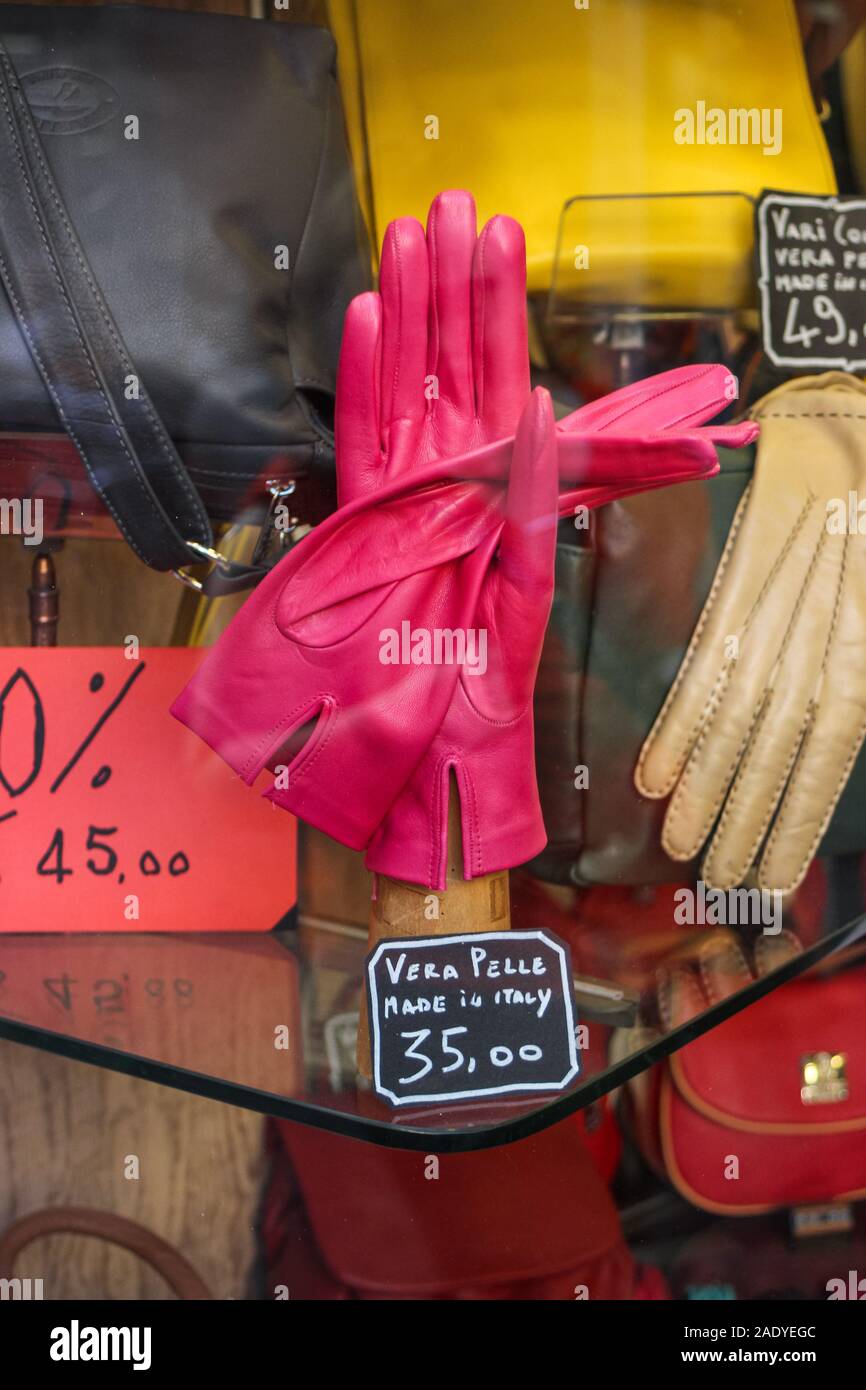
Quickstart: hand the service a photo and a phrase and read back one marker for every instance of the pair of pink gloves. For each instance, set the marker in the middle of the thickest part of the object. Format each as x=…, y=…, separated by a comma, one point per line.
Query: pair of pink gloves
x=449, y=476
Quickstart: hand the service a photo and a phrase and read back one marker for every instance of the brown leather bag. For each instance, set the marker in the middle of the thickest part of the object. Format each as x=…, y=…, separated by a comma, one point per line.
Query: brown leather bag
x=177, y=1272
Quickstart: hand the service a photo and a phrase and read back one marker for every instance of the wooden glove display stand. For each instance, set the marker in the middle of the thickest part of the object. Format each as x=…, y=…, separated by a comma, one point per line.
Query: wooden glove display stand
x=405, y=909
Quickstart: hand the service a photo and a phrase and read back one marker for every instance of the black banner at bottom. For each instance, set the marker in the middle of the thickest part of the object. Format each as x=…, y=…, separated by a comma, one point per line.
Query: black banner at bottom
x=81, y=1340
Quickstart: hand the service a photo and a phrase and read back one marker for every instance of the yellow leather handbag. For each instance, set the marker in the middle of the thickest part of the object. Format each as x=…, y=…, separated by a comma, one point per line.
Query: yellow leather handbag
x=529, y=106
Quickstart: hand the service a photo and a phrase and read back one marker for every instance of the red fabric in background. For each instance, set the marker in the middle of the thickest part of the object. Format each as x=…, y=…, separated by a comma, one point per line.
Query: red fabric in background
x=531, y=1220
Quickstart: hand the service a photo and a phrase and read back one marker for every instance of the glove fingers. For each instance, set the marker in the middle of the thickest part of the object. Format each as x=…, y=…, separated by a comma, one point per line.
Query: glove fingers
x=500, y=345
x=404, y=285
x=357, y=434
x=704, y=782
x=451, y=238
x=757, y=790
x=780, y=541
x=723, y=966
x=680, y=996
x=698, y=686
x=682, y=397
x=528, y=543
x=731, y=436
x=778, y=735
x=592, y=460
x=514, y=604
x=605, y=466
x=769, y=653
x=589, y=461
x=717, y=968
x=771, y=952
x=412, y=533
x=832, y=741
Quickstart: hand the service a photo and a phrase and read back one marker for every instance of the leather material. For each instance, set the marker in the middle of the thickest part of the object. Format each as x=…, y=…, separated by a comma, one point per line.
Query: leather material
x=629, y=594
x=83, y=363
x=182, y=237
x=307, y=643
x=531, y=1220
x=48, y=466
x=306, y=646
x=494, y=768
x=108, y=1226
x=737, y=1089
x=571, y=104
x=486, y=737
x=451, y=311
x=767, y=714
x=453, y=307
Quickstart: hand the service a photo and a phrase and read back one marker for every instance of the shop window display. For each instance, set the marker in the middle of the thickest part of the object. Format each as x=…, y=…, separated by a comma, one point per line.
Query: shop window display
x=431, y=710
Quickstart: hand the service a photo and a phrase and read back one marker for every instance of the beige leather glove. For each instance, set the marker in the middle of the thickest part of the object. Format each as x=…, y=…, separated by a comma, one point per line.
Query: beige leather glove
x=762, y=725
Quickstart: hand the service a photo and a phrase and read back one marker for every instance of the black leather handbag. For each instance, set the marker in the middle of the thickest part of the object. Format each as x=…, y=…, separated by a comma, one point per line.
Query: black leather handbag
x=179, y=239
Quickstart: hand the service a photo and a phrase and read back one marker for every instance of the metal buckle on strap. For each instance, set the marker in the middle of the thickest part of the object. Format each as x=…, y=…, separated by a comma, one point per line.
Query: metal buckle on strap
x=208, y=555
x=262, y=559
x=279, y=491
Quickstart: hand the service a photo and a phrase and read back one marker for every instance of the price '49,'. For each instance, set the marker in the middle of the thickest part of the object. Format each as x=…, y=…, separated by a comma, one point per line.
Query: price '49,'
x=832, y=328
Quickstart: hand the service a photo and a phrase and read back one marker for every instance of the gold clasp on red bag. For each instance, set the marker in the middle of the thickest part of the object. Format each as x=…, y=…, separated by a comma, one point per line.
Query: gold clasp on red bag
x=824, y=1077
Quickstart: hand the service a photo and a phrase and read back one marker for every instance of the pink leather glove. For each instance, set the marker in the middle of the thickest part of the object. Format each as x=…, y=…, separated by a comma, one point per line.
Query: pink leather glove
x=305, y=646
x=663, y=415
x=435, y=369
x=451, y=310
x=493, y=760
x=306, y=643
x=486, y=738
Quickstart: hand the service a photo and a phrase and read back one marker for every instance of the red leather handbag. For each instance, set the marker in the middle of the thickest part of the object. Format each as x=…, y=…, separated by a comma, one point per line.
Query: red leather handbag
x=531, y=1220
x=768, y=1109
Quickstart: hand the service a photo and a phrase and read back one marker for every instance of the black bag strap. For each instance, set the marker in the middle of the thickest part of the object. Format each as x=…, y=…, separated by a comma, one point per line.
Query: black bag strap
x=84, y=363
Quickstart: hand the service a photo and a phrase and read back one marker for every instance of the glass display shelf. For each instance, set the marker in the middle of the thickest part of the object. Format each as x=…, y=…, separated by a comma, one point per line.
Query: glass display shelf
x=268, y=1021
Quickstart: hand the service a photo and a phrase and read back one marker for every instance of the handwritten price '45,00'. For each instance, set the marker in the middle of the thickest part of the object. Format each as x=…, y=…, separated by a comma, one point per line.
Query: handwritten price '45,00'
x=51, y=864
x=21, y=695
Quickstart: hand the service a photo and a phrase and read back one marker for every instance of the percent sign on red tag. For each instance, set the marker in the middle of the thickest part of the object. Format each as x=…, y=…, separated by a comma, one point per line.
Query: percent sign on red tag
x=113, y=816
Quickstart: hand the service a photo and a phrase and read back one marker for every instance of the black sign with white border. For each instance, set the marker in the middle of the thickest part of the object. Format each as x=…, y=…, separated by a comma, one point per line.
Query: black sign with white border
x=811, y=256
x=471, y=1015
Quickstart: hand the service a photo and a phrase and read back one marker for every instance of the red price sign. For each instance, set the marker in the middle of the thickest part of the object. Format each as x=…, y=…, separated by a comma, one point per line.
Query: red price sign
x=113, y=816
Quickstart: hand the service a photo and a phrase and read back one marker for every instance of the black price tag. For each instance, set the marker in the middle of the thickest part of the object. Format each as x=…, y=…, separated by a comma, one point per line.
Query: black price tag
x=812, y=280
x=473, y=1015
